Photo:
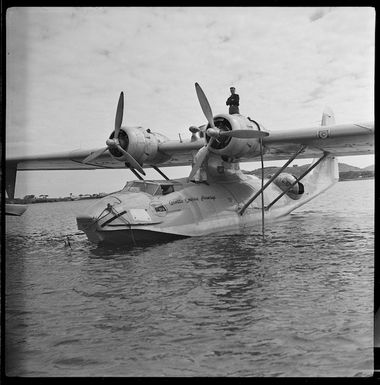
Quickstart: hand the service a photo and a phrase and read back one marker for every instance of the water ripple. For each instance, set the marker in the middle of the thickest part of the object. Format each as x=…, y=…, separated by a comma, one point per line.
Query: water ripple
x=298, y=303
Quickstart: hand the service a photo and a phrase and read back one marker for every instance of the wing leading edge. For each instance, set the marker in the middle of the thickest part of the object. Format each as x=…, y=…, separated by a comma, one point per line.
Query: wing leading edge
x=339, y=140
x=176, y=153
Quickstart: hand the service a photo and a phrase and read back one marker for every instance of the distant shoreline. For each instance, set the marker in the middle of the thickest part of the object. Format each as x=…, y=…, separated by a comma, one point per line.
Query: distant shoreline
x=49, y=200
x=351, y=179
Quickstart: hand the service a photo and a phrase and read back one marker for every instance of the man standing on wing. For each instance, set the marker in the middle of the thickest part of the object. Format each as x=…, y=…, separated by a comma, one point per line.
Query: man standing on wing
x=233, y=102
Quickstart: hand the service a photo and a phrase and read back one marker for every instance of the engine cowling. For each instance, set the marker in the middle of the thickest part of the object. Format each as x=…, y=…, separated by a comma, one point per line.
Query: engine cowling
x=234, y=148
x=140, y=143
x=284, y=180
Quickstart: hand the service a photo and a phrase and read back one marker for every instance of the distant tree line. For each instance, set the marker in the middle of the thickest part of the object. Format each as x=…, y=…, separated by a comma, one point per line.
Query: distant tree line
x=45, y=198
x=348, y=175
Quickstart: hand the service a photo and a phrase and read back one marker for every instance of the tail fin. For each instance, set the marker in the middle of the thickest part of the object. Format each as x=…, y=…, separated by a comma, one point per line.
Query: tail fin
x=328, y=117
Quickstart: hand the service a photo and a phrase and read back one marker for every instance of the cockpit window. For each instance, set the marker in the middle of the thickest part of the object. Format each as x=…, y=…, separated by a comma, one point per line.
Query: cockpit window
x=150, y=188
x=167, y=189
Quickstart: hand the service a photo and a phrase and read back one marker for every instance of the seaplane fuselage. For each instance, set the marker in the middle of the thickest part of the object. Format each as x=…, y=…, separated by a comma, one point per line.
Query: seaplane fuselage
x=160, y=210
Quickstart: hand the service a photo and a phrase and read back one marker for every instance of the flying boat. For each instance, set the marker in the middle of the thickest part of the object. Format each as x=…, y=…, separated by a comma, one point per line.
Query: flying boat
x=216, y=197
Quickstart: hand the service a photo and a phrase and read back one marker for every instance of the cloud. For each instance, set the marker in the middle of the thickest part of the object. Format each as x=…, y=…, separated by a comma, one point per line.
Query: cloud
x=67, y=66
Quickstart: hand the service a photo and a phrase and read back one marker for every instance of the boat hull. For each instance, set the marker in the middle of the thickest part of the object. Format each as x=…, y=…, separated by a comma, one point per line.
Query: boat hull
x=133, y=237
x=131, y=217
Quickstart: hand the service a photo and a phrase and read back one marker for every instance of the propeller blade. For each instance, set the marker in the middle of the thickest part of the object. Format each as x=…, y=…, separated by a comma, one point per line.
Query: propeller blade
x=244, y=134
x=199, y=159
x=94, y=155
x=119, y=115
x=131, y=160
x=204, y=104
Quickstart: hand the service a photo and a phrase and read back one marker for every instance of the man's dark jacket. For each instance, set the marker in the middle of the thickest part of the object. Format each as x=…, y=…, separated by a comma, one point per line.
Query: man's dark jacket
x=233, y=100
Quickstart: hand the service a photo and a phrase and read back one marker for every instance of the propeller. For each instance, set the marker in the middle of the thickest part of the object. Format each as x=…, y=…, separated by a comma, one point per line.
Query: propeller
x=214, y=132
x=205, y=105
x=199, y=159
x=114, y=143
x=119, y=114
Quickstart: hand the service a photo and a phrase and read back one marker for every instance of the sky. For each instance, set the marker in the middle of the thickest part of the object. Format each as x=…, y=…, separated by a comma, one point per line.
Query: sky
x=67, y=66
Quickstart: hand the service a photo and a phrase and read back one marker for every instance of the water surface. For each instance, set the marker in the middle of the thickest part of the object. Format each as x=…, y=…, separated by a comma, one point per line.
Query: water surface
x=299, y=303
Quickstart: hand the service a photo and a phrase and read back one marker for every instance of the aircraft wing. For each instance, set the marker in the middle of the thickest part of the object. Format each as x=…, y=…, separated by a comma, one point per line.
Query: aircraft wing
x=170, y=153
x=174, y=153
x=340, y=140
x=69, y=160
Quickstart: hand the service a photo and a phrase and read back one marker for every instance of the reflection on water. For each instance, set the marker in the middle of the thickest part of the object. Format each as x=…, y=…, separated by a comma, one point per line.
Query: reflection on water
x=297, y=304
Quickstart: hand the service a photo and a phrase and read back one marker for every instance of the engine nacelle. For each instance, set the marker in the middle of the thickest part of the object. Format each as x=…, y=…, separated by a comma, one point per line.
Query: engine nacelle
x=284, y=180
x=140, y=143
x=233, y=148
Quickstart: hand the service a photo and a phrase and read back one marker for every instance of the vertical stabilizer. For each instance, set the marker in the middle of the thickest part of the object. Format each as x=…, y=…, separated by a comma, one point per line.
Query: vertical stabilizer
x=328, y=117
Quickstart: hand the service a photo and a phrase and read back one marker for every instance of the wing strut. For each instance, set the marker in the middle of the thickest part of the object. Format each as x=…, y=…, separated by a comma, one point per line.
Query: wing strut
x=160, y=172
x=302, y=148
x=135, y=172
x=298, y=179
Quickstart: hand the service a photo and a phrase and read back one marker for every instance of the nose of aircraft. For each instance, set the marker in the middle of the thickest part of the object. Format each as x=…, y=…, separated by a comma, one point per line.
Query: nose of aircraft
x=113, y=211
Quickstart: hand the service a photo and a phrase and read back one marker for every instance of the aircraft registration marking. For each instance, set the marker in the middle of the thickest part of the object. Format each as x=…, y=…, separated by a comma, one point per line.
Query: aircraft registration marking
x=177, y=201
x=191, y=199
x=208, y=197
